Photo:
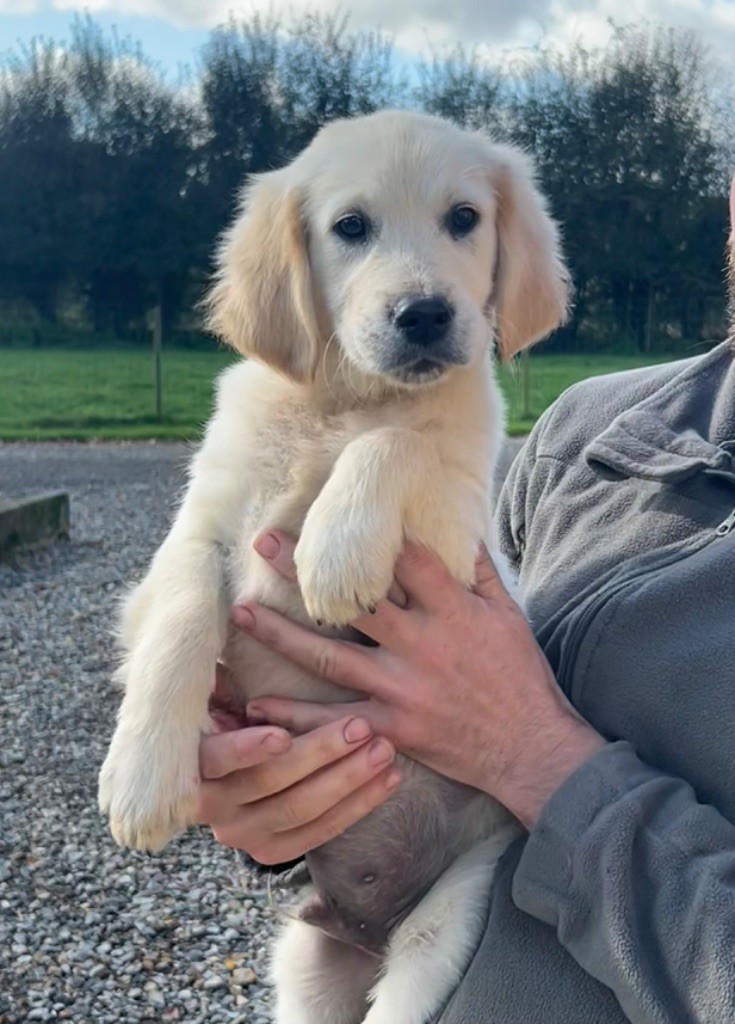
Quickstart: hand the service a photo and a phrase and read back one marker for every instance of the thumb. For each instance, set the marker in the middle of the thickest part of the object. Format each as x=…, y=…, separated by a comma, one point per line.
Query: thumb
x=488, y=583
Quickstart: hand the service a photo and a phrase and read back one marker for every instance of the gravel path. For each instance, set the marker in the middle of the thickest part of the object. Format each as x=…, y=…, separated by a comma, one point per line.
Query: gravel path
x=89, y=933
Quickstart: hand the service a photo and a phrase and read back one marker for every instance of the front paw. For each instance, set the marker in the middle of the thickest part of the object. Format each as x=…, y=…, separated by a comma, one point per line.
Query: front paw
x=149, y=784
x=345, y=567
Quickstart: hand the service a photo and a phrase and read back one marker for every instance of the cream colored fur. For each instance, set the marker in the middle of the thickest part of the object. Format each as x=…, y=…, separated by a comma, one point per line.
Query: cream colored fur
x=317, y=435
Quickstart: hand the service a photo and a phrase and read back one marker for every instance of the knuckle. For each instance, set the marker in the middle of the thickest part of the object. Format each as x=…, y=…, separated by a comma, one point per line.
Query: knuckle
x=243, y=747
x=289, y=814
x=329, y=740
x=326, y=662
x=270, y=631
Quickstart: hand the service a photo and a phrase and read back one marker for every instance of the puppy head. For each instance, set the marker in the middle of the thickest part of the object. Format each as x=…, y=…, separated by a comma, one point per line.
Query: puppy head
x=400, y=237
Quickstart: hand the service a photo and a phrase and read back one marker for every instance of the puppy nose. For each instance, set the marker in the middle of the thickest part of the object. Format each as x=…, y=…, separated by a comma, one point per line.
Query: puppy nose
x=423, y=320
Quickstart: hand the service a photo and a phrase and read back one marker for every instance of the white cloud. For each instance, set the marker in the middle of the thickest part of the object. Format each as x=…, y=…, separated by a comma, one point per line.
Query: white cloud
x=592, y=22
x=496, y=24
x=464, y=20
x=18, y=6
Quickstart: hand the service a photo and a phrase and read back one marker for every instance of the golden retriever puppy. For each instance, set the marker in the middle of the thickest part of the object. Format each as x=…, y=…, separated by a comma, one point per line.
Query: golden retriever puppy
x=366, y=284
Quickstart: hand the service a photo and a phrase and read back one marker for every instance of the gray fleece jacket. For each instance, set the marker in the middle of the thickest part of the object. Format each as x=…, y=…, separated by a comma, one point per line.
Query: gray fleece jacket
x=620, y=905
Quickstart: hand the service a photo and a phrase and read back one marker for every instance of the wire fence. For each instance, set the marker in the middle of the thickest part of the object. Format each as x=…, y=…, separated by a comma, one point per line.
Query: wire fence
x=117, y=393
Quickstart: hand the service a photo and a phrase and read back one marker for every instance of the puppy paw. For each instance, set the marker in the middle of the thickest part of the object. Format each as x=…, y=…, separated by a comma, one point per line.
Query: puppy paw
x=345, y=565
x=149, y=785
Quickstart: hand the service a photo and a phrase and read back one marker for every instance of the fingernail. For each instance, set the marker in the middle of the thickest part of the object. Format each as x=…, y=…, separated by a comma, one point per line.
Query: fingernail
x=380, y=752
x=392, y=780
x=243, y=617
x=275, y=743
x=268, y=546
x=356, y=729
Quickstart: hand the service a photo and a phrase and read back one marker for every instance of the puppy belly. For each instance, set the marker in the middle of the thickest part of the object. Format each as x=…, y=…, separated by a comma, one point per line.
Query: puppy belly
x=370, y=878
x=260, y=672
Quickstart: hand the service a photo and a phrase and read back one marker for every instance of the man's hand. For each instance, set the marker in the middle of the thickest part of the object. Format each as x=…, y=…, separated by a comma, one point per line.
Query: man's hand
x=277, y=797
x=457, y=681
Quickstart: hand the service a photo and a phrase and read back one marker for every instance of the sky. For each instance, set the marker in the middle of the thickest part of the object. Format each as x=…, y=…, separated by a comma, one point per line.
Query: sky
x=171, y=31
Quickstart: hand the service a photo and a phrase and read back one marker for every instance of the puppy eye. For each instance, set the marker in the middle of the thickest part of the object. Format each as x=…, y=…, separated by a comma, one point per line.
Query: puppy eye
x=353, y=227
x=462, y=219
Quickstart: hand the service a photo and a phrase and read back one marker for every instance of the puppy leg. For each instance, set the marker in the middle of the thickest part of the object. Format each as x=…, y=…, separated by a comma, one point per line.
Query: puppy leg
x=173, y=630
x=431, y=949
x=318, y=979
x=148, y=783
x=387, y=484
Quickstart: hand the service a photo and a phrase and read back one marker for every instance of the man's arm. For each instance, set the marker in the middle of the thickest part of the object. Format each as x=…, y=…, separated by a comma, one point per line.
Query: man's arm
x=638, y=879
x=636, y=876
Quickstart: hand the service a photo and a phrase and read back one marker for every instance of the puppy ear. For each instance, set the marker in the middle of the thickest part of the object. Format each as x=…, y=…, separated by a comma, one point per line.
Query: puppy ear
x=262, y=302
x=532, y=288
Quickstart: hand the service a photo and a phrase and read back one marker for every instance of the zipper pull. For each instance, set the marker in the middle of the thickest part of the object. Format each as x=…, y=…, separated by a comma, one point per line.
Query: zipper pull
x=729, y=524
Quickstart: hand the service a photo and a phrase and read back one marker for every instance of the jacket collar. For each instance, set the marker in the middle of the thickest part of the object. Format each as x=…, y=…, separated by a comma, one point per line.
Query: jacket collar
x=684, y=428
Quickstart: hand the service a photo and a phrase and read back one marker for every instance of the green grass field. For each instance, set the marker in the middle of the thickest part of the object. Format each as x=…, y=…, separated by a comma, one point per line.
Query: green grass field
x=50, y=394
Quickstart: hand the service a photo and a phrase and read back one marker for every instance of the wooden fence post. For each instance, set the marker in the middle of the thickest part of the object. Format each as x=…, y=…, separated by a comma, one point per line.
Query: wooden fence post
x=157, y=346
x=526, y=371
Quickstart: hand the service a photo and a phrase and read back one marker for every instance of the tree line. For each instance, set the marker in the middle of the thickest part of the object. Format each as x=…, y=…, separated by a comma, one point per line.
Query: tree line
x=116, y=180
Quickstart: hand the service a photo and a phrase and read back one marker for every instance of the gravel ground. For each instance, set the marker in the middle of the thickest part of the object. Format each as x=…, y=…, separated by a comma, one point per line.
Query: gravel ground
x=89, y=933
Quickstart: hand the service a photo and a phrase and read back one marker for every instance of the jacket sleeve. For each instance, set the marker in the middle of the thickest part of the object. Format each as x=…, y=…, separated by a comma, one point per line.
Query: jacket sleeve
x=638, y=879
x=636, y=876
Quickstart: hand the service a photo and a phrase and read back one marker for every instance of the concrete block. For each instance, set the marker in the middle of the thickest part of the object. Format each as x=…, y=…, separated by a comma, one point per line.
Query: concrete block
x=30, y=522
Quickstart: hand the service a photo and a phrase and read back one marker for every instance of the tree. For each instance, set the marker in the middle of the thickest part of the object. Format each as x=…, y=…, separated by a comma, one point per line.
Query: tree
x=458, y=85
x=38, y=168
x=137, y=136
x=328, y=72
x=117, y=181
x=630, y=164
x=243, y=123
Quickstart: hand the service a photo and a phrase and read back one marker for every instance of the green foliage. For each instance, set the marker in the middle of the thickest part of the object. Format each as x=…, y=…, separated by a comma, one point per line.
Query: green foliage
x=630, y=163
x=117, y=181
x=267, y=88
x=459, y=86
